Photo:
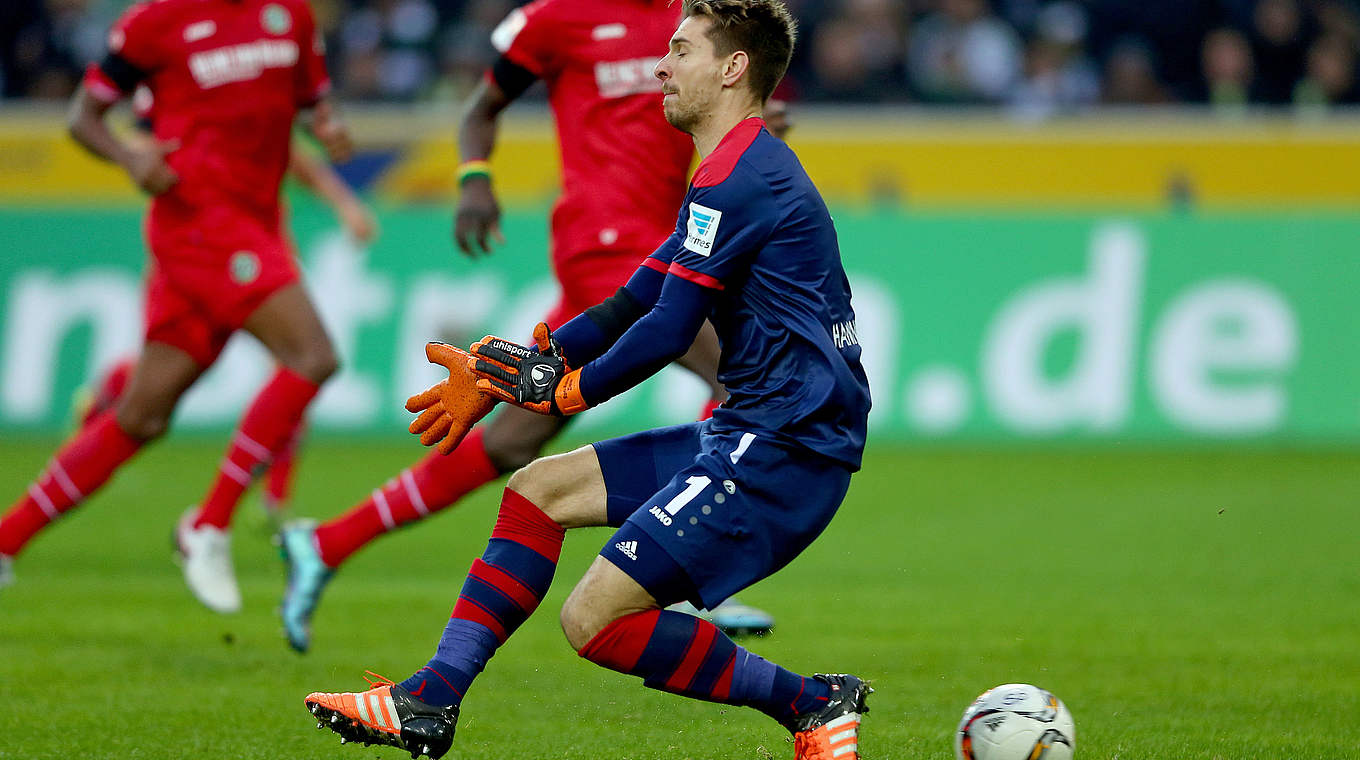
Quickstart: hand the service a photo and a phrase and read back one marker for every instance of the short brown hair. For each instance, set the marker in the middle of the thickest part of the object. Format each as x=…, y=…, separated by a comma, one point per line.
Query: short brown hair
x=764, y=29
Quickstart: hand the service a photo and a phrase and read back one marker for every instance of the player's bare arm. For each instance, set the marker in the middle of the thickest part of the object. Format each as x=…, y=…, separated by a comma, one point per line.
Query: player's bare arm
x=318, y=176
x=143, y=160
x=479, y=214
x=330, y=130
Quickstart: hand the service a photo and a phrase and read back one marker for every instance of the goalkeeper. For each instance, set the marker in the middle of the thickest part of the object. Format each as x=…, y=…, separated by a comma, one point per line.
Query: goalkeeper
x=702, y=510
x=596, y=59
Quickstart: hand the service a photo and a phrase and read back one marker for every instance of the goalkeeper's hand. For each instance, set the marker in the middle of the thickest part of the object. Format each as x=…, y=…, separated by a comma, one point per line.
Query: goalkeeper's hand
x=539, y=381
x=449, y=409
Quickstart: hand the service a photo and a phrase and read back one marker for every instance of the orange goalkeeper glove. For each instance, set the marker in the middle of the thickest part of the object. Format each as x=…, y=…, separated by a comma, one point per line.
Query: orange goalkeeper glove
x=450, y=408
x=538, y=381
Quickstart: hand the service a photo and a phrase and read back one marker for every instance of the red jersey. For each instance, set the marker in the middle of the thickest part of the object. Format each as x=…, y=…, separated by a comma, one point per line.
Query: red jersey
x=228, y=77
x=624, y=168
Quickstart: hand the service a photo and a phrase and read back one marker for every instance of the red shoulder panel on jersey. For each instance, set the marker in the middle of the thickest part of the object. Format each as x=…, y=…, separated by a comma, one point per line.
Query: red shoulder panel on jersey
x=718, y=165
x=698, y=278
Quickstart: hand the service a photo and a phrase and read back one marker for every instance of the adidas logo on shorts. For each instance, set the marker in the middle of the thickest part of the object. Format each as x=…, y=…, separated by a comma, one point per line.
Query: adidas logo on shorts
x=628, y=548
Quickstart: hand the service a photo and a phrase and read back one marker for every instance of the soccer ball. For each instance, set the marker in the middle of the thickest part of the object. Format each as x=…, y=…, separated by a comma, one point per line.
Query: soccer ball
x=1016, y=721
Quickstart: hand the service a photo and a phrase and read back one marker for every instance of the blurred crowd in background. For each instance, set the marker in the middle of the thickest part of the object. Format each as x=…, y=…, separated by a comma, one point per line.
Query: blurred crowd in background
x=1034, y=57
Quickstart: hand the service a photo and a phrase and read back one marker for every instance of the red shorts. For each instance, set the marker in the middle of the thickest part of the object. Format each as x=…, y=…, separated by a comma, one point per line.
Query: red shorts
x=202, y=287
x=589, y=277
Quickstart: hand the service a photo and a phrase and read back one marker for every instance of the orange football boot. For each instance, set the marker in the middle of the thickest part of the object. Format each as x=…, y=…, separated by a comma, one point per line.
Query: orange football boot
x=386, y=714
x=832, y=733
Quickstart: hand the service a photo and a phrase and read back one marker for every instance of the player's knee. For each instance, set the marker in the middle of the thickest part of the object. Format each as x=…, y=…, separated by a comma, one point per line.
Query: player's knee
x=534, y=482
x=326, y=365
x=510, y=454
x=572, y=626
x=317, y=363
x=566, y=487
x=514, y=440
x=522, y=482
x=141, y=422
x=578, y=624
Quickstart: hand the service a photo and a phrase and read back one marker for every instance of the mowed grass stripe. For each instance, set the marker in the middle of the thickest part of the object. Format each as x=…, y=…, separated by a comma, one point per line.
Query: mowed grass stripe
x=1185, y=604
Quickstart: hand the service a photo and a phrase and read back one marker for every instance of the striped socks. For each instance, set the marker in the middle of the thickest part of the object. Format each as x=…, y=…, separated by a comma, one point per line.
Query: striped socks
x=503, y=587
x=684, y=655
x=80, y=466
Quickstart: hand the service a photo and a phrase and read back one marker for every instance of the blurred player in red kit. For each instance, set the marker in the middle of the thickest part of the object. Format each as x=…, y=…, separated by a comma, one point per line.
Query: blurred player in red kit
x=623, y=170
x=316, y=175
x=228, y=77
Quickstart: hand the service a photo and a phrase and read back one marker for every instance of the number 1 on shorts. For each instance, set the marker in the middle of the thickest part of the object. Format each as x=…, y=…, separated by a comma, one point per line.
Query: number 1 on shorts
x=696, y=483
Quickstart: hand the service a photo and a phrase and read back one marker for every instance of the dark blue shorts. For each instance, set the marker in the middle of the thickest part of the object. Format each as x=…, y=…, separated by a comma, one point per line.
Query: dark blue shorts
x=702, y=515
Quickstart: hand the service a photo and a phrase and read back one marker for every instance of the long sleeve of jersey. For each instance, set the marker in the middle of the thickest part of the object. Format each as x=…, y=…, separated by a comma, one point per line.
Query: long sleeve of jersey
x=660, y=337
x=591, y=333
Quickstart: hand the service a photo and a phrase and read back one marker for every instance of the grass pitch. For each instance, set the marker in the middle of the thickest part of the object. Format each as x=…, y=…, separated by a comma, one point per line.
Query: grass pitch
x=1183, y=604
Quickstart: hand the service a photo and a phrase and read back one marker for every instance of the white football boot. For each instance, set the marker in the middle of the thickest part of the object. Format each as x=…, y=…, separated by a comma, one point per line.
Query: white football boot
x=205, y=555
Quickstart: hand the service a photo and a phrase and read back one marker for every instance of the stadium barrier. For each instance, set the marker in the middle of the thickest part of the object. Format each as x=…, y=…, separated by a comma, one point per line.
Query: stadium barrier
x=1185, y=304
x=1154, y=327
x=1134, y=160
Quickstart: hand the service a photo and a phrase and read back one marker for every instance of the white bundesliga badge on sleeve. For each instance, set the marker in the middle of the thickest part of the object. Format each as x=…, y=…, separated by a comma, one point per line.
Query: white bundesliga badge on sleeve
x=703, y=228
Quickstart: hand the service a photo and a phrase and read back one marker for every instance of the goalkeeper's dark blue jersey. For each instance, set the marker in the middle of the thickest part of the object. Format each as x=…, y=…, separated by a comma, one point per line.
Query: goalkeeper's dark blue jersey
x=754, y=228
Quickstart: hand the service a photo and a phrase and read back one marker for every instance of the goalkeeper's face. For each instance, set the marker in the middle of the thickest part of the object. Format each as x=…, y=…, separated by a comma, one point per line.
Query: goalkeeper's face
x=691, y=75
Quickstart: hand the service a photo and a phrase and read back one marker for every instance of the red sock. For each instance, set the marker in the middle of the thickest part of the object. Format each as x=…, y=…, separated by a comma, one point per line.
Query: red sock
x=272, y=417
x=109, y=389
x=435, y=482
x=80, y=466
x=278, y=482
